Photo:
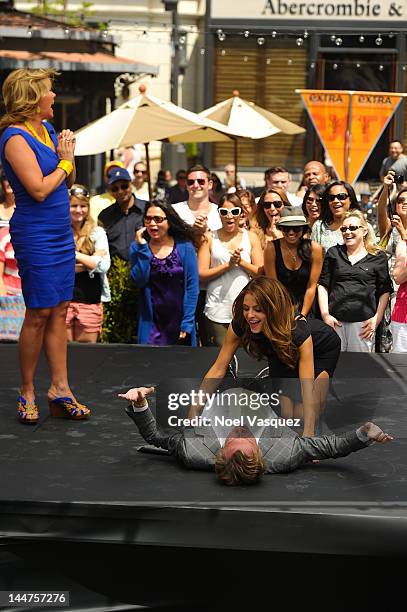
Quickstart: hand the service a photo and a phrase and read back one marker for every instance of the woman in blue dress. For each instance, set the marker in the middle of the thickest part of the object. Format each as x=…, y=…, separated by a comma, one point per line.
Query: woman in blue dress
x=40, y=167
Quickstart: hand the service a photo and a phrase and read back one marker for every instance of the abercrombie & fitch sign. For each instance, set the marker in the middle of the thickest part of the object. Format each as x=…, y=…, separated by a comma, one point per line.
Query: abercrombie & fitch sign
x=346, y=10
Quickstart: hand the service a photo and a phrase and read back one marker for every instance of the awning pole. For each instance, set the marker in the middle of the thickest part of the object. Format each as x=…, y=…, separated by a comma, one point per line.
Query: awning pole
x=235, y=155
x=150, y=195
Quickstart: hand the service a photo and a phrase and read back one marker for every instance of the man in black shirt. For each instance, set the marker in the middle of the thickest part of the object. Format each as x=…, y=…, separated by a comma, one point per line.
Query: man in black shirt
x=179, y=192
x=122, y=218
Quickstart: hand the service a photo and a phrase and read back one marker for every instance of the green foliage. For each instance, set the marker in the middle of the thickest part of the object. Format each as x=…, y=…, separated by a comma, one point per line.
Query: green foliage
x=120, y=314
x=59, y=9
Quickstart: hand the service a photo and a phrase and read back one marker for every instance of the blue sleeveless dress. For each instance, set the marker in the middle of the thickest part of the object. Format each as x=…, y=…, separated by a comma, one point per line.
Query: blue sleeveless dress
x=41, y=232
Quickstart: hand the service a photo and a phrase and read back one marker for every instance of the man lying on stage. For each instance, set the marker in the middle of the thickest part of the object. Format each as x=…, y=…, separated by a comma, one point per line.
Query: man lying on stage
x=240, y=454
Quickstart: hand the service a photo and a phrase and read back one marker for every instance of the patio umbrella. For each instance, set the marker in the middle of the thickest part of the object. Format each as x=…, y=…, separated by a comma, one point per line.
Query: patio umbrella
x=143, y=119
x=249, y=120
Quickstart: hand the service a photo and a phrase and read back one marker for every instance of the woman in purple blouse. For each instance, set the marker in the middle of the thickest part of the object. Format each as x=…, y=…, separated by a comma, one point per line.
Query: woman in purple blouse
x=164, y=266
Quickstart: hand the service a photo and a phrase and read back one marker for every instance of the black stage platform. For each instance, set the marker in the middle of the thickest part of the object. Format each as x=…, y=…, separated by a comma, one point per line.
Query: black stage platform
x=83, y=486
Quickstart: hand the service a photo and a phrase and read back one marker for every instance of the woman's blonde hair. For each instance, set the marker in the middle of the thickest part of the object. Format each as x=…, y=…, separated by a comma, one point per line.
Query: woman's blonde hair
x=22, y=91
x=83, y=242
x=370, y=246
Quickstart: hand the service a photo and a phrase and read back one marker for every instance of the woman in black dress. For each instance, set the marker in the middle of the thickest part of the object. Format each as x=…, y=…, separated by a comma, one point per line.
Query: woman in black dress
x=266, y=324
x=295, y=260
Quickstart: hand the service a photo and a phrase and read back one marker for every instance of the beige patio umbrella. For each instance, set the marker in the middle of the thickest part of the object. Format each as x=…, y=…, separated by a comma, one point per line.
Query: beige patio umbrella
x=249, y=120
x=143, y=119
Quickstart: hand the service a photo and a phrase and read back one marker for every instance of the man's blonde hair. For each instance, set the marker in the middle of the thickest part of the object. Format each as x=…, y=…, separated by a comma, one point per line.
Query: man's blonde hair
x=240, y=468
x=22, y=91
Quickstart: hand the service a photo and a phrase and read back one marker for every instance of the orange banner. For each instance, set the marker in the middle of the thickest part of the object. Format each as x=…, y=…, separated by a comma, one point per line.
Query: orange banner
x=328, y=111
x=349, y=124
x=371, y=112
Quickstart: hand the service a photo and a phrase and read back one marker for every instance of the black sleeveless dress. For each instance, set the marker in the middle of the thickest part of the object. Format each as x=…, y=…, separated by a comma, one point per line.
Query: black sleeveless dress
x=326, y=345
x=295, y=281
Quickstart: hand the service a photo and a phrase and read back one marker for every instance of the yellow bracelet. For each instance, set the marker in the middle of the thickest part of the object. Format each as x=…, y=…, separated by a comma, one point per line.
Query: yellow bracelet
x=66, y=166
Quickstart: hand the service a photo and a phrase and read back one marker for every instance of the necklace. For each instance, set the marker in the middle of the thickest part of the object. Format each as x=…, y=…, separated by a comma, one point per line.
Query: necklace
x=46, y=140
x=293, y=257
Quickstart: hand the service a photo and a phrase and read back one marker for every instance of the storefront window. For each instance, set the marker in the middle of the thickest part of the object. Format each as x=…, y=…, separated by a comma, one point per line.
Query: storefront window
x=268, y=77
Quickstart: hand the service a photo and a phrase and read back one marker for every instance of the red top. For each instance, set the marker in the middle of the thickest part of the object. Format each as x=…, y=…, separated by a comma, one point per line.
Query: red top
x=11, y=277
x=399, y=314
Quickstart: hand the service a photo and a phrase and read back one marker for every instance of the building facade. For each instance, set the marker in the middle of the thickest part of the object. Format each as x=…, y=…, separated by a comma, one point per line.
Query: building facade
x=269, y=48
x=266, y=49
x=143, y=31
x=88, y=66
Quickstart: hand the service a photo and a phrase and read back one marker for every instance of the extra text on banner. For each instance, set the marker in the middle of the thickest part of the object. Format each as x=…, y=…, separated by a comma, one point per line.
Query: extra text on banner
x=349, y=124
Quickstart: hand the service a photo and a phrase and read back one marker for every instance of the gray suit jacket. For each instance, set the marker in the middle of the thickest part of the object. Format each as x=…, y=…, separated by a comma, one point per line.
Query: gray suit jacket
x=283, y=450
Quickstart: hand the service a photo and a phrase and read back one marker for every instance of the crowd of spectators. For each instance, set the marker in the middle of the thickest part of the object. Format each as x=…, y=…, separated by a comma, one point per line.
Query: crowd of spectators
x=187, y=252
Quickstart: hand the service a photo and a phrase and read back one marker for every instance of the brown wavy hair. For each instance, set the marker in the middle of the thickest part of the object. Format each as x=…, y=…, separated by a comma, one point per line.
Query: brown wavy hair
x=261, y=217
x=240, y=469
x=275, y=301
x=246, y=193
x=22, y=91
x=233, y=198
x=83, y=242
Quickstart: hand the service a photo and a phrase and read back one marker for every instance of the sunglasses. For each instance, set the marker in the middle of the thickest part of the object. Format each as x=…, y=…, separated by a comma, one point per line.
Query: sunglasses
x=277, y=204
x=79, y=191
x=401, y=201
x=200, y=181
x=122, y=187
x=156, y=218
x=338, y=196
x=235, y=212
x=311, y=200
x=351, y=228
x=288, y=228
x=140, y=172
